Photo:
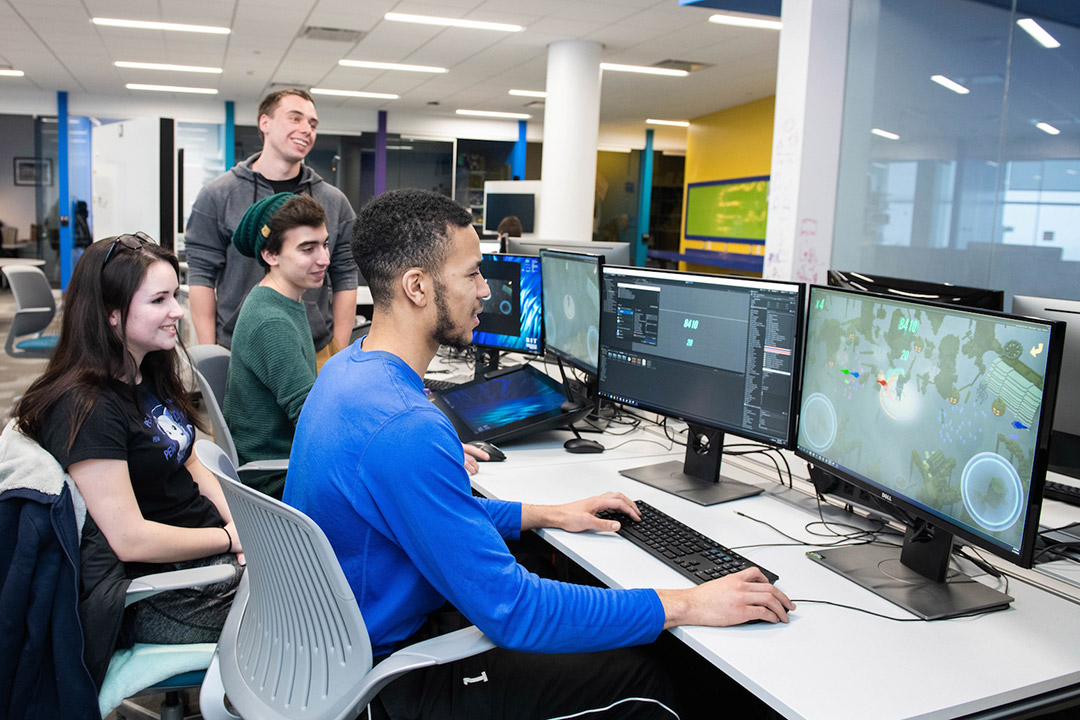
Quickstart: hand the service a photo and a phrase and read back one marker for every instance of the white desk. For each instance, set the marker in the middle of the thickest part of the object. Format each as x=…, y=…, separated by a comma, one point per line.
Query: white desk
x=828, y=663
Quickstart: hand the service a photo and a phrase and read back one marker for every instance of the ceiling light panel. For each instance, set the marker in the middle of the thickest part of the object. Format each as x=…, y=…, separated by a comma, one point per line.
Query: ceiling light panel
x=746, y=22
x=382, y=65
x=452, y=22
x=671, y=123
x=354, y=94
x=155, y=25
x=166, y=67
x=171, y=88
x=1039, y=33
x=642, y=69
x=949, y=84
x=494, y=114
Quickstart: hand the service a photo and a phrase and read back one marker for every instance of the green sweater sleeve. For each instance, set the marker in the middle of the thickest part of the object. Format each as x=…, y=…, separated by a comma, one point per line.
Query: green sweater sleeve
x=275, y=358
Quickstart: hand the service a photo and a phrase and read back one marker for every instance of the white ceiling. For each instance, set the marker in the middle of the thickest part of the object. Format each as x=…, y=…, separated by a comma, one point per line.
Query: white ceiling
x=58, y=47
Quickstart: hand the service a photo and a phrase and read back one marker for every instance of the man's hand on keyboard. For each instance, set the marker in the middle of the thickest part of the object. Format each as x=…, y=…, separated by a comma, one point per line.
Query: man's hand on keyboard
x=742, y=597
x=579, y=516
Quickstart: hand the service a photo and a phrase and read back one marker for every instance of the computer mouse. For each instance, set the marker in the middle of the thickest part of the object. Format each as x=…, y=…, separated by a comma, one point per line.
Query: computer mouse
x=494, y=453
x=581, y=445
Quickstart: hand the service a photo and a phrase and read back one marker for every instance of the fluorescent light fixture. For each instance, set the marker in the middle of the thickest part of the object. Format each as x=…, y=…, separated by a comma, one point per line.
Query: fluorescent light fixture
x=354, y=94
x=399, y=147
x=171, y=88
x=170, y=68
x=1036, y=31
x=1047, y=128
x=739, y=21
x=5, y=72
x=672, y=123
x=147, y=25
x=643, y=69
x=493, y=114
x=950, y=84
x=451, y=22
x=605, y=148
x=885, y=134
x=529, y=93
x=375, y=65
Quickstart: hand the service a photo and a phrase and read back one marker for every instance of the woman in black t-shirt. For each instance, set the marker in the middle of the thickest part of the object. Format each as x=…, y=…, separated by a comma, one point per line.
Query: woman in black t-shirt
x=112, y=408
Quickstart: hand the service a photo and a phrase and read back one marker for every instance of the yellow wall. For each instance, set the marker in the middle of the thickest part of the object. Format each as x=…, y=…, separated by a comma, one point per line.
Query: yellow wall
x=731, y=143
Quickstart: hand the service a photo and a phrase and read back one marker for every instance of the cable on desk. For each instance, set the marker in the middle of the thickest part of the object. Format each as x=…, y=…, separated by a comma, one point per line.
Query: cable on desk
x=861, y=537
x=760, y=450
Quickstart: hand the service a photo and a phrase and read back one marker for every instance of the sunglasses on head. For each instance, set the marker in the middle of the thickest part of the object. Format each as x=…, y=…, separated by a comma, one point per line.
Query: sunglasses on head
x=133, y=241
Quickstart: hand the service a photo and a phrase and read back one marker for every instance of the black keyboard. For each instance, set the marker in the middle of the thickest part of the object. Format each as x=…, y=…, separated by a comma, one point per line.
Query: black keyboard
x=439, y=385
x=1060, y=491
x=696, y=556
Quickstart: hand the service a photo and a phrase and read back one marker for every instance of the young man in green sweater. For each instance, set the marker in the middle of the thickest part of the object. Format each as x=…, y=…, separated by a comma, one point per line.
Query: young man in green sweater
x=272, y=367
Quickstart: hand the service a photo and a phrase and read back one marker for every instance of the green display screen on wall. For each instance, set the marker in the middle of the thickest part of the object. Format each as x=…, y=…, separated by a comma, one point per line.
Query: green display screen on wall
x=728, y=210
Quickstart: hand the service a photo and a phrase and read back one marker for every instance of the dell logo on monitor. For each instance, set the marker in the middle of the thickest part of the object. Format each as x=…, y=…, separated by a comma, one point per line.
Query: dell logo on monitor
x=886, y=496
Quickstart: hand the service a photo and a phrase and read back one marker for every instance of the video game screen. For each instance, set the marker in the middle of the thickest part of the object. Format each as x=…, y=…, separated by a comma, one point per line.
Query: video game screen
x=512, y=318
x=504, y=400
x=937, y=406
x=571, y=283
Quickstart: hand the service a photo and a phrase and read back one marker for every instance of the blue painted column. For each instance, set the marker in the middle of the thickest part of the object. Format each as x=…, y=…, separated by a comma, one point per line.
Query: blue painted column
x=637, y=252
x=64, y=199
x=380, y=155
x=517, y=155
x=230, y=134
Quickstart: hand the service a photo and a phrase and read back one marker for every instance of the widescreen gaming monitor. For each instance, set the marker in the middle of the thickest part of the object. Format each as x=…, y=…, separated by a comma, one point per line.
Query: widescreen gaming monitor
x=1065, y=436
x=919, y=289
x=719, y=352
x=615, y=253
x=513, y=319
x=571, y=297
x=943, y=415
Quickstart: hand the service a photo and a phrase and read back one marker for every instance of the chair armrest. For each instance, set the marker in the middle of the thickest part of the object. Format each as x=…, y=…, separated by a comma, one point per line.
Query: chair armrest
x=149, y=585
x=264, y=465
x=434, y=651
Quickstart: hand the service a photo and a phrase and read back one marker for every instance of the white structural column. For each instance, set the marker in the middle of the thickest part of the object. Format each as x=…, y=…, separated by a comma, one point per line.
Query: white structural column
x=806, y=139
x=571, y=129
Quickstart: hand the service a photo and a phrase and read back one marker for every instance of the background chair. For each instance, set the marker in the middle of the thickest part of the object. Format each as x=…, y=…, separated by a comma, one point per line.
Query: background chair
x=294, y=644
x=211, y=366
x=35, y=308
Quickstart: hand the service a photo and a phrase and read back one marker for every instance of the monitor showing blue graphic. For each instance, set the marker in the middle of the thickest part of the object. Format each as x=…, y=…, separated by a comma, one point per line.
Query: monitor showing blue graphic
x=571, y=290
x=513, y=318
x=944, y=415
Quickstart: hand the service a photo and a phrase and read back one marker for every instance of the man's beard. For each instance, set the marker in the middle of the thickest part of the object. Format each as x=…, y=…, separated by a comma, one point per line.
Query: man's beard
x=444, y=331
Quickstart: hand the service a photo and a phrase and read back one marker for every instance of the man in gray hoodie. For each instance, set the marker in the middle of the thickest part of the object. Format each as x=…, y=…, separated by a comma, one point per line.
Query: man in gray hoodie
x=220, y=277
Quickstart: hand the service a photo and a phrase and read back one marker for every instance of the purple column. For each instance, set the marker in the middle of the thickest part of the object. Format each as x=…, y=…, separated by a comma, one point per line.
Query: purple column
x=380, y=155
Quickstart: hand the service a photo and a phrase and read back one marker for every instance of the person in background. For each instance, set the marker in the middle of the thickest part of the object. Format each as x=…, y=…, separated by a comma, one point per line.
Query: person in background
x=509, y=226
x=387, y=487
x=272, y=366
x=220, y=277
x=113, y=409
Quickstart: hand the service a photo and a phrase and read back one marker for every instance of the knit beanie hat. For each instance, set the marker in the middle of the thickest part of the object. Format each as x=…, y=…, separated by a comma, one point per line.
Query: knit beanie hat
x=254, y=227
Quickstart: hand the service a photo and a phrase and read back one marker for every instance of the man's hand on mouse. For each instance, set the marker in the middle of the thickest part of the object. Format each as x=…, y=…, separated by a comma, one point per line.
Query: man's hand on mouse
x=474, y=454
x=580, y=515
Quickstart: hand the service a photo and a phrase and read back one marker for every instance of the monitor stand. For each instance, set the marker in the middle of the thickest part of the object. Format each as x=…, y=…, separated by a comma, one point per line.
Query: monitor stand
x=916, y=577
x=697, y=478
x=487, y=365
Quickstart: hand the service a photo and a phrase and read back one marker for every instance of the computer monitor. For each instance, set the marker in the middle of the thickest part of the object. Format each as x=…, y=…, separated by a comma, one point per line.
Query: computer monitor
x=571, y=292
x=719, y=352
x=513, y=318
x=919, y=289
x=1065, y=434
x=502, y=205
x=943, y=415
x=615, y=253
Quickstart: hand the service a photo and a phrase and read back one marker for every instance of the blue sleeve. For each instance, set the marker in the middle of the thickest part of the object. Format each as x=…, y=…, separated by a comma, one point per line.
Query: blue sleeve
x=505, y=515
x=453, y=540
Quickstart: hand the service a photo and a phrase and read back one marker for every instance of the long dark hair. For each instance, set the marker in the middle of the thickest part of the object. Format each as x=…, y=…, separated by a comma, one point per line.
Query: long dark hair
x=91, y=354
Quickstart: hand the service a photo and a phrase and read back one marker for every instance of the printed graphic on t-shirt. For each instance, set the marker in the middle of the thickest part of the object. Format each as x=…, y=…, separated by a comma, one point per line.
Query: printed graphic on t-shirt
x=171, y=430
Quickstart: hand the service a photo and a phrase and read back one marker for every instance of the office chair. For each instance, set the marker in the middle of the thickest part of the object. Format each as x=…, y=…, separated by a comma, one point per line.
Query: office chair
x=149, y=669
x=35, y=308
x=210, y=364
x=294, y=644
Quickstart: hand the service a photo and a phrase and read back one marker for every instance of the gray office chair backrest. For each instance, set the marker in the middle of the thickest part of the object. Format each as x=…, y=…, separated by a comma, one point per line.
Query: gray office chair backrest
x=296, y=646
x=211, y=366
x=35, y=308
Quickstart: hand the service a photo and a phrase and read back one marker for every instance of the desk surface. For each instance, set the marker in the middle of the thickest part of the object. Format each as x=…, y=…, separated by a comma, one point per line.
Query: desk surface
x=829, y=663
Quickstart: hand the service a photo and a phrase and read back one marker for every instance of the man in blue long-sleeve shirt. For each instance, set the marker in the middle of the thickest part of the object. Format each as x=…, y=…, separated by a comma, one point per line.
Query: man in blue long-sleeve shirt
x=380, y=469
